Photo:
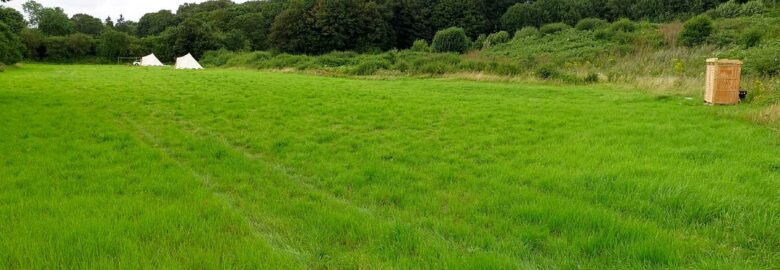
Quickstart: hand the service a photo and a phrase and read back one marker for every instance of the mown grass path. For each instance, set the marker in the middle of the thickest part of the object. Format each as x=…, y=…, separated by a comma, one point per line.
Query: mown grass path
x=118, y=167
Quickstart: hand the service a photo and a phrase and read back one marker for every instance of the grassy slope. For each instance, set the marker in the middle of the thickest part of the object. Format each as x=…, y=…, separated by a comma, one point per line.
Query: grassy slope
x=128, y=167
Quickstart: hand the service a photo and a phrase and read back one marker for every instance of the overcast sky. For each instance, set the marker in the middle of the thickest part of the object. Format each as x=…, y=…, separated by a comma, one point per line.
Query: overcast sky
x=131, y=9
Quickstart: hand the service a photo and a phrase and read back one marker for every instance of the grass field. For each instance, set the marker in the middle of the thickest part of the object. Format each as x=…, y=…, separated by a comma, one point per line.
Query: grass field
x=120, y=167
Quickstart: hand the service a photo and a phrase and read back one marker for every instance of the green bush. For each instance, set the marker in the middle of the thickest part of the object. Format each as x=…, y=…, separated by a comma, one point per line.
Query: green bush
x=452, y=39
x=752, y=37
x=80, y=45
x=553, y=28
x=547, y=72
x=755, y=7
x=508, y=69
x=434, y=68
x=623, y=25
x=402, y=66
x=370, y=67
x=591, y=78
x=420, y=45
x=480, y=42
x=521, y=15
x=603, y=34
x=696, y=31
x=497, y=38
x=729, y=9
x=764, y=60
x=336, y=59
x=528, y=31
x=621, y=37
x=113, y=44
x=591, y=24
x=216, y=58
x=287, y=60
x=723, y=38
x=11, y=47
x=472, y=65
x=57, y=49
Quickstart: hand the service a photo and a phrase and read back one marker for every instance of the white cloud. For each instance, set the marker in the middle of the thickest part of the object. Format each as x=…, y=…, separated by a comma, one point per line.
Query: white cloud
x=131, y=9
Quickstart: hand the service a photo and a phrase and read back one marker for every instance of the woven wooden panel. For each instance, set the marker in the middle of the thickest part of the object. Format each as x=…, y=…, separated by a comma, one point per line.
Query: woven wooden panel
x=722, y=81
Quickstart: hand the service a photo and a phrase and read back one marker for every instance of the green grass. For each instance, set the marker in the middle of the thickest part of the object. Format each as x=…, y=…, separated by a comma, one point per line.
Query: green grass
x=120, y=167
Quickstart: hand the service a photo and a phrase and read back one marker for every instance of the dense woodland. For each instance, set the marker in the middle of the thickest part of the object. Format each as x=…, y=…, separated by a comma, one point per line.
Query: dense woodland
x=299, y=26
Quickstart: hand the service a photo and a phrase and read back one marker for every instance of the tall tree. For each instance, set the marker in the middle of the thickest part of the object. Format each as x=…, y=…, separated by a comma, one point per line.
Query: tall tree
x=33, y=10
x=12, y=18
x=337, y=22
x=108, y=22
x=87, y=24
x=156, y=23
x=195, y=37
x=113, y=44
x=251, y=25
x=411, y=21
x=292, y=30
x=467, y=14
x=54, y=22
x=122, y=25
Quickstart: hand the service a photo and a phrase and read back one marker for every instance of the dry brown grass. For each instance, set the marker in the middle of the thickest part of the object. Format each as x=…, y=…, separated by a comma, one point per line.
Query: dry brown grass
x=671, y=32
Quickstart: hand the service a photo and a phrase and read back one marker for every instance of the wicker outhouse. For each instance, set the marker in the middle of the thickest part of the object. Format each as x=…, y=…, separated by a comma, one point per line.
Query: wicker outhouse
x=723, y=77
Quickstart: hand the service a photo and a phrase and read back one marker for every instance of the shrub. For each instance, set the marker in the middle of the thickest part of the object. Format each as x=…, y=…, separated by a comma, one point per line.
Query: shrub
x=723, y=39
x=370, y=67
x=547, y=72
x=764, y=60
x=57, y=49
x=508, y=69
x=435, y=68
x=497, y=38
x=591, y=24
x=521, y=15
x=480, y=42
x=402, y=66
x=35, y=42
x=752, y=37
x=11, y=48
x=623, y=25
x=452, y=39
x=80, y=45
x=216, y=58
x=729, y=9
x=603, y=34
x=553, y=28
x=755, y=7
x=113, y=44
x=336, y=59
x=420, y=45
x=528, y=31
x=591, y=78
x=288, y=60
x=696, y=31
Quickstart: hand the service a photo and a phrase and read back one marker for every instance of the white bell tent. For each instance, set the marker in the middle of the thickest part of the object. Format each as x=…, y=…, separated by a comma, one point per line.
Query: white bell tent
x=187, y=62
x=151, y=61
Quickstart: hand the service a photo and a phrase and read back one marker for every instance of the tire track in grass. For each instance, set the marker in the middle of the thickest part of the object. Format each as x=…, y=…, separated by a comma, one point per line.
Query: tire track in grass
x=378, y=235
x=629, y=222
x=259, y=231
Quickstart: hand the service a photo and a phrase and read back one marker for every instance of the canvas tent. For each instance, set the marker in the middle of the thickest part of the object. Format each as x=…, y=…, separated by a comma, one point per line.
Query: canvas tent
x=187, y=62
x=151, y=61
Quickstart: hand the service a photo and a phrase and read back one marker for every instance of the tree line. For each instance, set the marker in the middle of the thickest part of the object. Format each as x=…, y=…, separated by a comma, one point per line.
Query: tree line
x=304, y=26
